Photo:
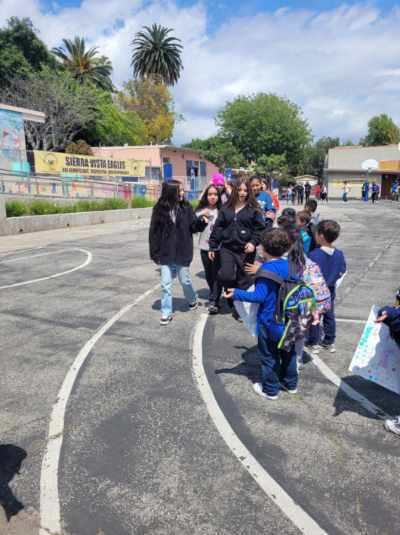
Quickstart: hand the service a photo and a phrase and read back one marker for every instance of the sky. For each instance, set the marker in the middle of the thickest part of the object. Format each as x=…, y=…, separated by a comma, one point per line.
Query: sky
x=339, y=61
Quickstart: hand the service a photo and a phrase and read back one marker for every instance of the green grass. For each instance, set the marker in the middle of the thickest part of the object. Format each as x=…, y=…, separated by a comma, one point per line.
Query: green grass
x=142, y=202
x=45, y=207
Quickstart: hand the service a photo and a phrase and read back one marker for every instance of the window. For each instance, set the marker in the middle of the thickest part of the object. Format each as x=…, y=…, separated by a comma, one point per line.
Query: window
x=203, y=168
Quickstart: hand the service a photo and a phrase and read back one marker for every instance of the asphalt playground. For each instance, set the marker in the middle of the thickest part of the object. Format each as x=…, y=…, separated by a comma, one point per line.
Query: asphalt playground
x=124, y=427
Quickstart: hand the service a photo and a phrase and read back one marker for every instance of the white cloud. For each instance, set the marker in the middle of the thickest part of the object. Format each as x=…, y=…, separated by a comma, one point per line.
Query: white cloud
x=339, y=65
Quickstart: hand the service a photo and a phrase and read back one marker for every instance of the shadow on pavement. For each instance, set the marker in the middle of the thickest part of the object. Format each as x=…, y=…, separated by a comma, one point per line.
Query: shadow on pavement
x=381, y=397
x=250, y=367
x=11, y=458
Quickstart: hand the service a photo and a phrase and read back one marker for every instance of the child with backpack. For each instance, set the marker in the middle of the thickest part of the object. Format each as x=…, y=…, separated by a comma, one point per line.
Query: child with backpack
x=235, y=235
x=390, y=316
x=303, y=220
x=277, y=318
x=209, y=205
x=172, y=226
x=332, y=264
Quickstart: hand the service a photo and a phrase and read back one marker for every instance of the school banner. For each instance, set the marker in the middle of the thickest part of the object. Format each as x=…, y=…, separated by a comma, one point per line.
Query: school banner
x=58, y=163
x=377, y=357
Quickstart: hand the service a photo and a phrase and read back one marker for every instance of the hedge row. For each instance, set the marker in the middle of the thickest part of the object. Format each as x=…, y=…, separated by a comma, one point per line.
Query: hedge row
x=44, y=207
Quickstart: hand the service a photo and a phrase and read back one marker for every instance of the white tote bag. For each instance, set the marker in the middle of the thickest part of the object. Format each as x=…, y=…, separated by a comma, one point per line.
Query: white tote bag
x=248, y=313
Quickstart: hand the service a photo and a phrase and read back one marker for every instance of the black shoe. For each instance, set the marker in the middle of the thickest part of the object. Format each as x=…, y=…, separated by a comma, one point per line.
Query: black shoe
x=213, y=309
x=236, y=316
x=194, y=306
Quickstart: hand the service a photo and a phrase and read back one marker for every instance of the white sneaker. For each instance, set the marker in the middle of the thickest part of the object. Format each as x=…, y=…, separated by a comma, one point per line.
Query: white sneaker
x=291, y=390
x=315, y=349
x=166, y=321
x=258, y=389
x=393, y=425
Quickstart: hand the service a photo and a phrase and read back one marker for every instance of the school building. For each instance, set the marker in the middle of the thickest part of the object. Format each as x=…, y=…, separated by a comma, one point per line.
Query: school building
x=347, y=164
x=164, y=162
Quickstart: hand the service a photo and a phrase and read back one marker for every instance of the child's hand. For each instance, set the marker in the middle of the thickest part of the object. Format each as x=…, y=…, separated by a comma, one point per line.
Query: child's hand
x=252, y=269
x=228, y=294
x=382, y=318
x=211, y=256
x=249, y=248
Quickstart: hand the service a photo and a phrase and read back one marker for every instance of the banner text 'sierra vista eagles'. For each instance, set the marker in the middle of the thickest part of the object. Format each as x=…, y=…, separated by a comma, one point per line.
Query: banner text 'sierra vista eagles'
x=60, y=164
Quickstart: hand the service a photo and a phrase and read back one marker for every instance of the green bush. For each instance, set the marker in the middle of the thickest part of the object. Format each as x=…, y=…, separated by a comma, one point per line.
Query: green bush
x=45, y=207
x=142, y=202
x=16, y=208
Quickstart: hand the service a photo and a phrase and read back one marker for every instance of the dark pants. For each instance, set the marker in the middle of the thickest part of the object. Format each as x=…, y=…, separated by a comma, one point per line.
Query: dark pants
x=231, y=273
x=211, y=269
x=374, y=197
x=277, y=366
x=328, y=327
x=307, y=195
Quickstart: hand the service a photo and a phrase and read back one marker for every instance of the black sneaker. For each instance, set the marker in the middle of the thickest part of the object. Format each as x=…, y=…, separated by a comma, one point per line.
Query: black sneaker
x=213, y=309
x=165, y=321
x=194, y=306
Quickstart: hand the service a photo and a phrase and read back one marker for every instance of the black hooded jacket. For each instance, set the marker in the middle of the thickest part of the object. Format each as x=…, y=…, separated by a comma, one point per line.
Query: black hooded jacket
x=172, y=242
x=233, y=230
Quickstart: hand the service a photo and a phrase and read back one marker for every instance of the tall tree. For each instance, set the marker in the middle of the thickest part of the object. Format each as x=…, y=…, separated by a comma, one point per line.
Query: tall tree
x=156, y=54
x=21, y=51
x=382, y=130
x=85, y=65
x=69, y=107
x=265, y=124
x=219, y=151
x=314, y=156
x=152, y=102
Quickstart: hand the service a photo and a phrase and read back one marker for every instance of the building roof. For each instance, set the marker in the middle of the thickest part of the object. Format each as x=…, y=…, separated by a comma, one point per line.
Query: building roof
x=28, y=115
x=350, y=158
x=168, y=147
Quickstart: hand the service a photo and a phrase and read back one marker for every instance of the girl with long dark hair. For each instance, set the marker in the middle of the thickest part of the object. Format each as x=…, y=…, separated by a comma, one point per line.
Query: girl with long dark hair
x=173, y=223
x=209, y=206
x=236, y=235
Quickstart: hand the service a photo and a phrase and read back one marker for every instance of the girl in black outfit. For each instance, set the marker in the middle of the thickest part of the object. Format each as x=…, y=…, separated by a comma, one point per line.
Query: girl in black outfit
x=173, y=223
x=209, y=206
x=236, y=235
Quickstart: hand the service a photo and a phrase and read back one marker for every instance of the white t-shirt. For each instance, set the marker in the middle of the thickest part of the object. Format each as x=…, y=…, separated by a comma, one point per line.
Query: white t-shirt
x=205, y=235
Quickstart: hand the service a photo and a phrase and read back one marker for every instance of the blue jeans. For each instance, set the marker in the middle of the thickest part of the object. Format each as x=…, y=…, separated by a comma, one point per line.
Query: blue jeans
x=168, y=273
x=277, y=366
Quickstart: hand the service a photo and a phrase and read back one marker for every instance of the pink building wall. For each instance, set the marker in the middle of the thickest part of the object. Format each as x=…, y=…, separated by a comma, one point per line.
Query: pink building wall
x=154, y=155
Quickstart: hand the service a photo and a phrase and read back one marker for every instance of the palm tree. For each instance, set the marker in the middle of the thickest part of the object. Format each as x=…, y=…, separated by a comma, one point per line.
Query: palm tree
x=85, y=65
x=157, y=55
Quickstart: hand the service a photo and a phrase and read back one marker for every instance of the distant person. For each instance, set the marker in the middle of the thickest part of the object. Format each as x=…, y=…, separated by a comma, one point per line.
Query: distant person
x=324, y=193
x=394, y=191
x=375, y=192
x=300, y=193
x=365, y=191
x=307, y=190
x=390, y=316
x=346, y=189
x=289, y=194
x=317, y=191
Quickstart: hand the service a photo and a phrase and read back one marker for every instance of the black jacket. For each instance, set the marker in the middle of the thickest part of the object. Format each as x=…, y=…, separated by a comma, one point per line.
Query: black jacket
x=172, y=243
x=234, y=230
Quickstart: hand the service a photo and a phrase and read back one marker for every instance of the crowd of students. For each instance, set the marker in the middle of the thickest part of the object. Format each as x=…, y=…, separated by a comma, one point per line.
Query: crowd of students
x=287, y=266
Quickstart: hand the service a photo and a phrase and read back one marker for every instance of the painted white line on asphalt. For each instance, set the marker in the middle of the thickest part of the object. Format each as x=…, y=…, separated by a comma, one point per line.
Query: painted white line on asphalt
x=272, y=489
x=55, y=275
x=50, y=511
x=349, y=320
x=21, y=258
x=347, y=389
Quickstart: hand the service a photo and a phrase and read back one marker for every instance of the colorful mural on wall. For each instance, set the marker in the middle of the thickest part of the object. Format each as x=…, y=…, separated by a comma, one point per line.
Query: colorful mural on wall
x=12, y=142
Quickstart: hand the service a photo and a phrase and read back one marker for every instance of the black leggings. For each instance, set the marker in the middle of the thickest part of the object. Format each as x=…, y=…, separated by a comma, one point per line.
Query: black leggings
x=211, y=269
x=232, y=274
